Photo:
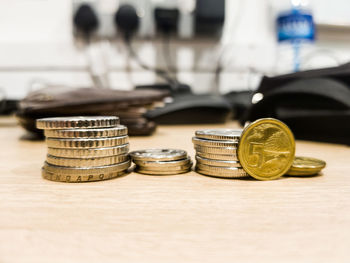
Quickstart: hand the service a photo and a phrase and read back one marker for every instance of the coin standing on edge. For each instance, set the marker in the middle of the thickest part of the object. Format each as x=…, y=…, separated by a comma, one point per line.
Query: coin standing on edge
x=266, y=149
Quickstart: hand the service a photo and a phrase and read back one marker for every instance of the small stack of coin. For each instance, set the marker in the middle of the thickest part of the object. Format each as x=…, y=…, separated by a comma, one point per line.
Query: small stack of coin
x=161, y=161
x=83, y=149
x=216, y=153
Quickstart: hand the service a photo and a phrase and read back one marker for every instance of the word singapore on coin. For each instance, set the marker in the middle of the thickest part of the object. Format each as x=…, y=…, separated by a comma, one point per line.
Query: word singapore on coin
x=161, y=161
x=85, y=149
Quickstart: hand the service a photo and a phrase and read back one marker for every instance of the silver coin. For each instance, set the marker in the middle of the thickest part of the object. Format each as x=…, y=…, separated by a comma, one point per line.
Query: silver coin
x=158, y=155
x=216, y=150
x=224, y=172
x=77, y=122
x=90, y=152
x=220, y=134
x=166, y=168
x=86, y=142
x=164, y=164
x=219, y=163
x=86, y=162
x=119, y=130
x=222, y=157
x=214, y=143
x=166, y=172
x=86, y=170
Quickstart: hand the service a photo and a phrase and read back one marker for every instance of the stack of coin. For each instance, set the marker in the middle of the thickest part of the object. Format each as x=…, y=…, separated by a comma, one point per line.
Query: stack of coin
x=83, y=149
x=216, y=153
x=161, y=161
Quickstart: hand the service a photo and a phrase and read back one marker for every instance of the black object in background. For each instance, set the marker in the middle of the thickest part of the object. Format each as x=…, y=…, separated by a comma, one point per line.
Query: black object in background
x=209, y=17
x=315, y=104
x=85, y=20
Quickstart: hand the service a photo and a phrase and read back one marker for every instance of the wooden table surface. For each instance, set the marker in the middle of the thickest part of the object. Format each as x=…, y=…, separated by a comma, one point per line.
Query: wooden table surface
x=179, y=218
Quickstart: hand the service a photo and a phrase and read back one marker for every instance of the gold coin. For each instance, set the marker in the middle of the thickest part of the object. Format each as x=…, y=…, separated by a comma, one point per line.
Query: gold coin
x=77, y=122
x=306, y=166
x=86, y=142
x=86, y=162
x=119, y=130
x=266, y=149
x=214, y=143
x=72, y=178
x=89, y=153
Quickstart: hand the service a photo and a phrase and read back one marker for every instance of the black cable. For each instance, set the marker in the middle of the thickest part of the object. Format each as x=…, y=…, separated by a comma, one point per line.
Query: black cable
x=166, y=50
x=160, y=72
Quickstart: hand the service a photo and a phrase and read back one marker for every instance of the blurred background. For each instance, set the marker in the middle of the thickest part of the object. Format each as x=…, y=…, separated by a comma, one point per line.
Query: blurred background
x=213, y=47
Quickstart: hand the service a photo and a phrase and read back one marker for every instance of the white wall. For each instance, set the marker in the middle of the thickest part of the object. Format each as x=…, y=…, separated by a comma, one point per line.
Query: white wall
x=36, y=43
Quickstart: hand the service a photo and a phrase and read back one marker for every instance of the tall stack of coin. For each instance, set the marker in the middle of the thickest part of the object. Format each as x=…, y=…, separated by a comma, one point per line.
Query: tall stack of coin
x=161, y=161
x=216, y=153
x=83, y=149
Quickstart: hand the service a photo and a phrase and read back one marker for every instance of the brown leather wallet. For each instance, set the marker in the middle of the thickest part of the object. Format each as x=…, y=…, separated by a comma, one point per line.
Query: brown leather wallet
x=55, y=101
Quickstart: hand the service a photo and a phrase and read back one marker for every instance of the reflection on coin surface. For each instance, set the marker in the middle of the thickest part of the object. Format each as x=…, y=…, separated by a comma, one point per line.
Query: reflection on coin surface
x=158, y=155
x=266, y=149
x=77, y=122
x=306, y=166
x=220, y=134
x=214, y=143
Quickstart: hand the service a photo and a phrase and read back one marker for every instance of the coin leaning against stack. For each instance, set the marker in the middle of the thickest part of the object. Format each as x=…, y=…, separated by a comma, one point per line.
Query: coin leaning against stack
x=216, y=153
x=161, y=161
x=84, y=149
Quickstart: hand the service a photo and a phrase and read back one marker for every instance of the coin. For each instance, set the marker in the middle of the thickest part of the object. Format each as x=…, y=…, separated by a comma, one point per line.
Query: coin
x=89, y=153
x=167, y=172
x=220, y=134
x=303, y=166
x=119, y=130
x=158, y=155
x=216, y=150
x=165, y=168
x=77, y=122
x=86, y=170
x=222, y=157
x=224, y=172
x=86, y=142
x=73, y=178
x=220, y=163
x=164, y=164
x=266, y=149
x=214, y=143
x=86, y=162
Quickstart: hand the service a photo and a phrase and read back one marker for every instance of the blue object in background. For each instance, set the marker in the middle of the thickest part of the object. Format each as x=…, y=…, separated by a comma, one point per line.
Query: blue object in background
x=296, y=26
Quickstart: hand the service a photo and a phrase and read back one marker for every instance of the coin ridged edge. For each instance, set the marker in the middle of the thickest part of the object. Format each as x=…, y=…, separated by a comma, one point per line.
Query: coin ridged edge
x=214, y=143
x=216, y=150
x=167, y=164
x=77, y=122
x=217, y=137
x=117, y=131
x=219, y=163
x=86, y=162
x=89, y=153
x=222, y=157
x=86, y=170
x=86, y=143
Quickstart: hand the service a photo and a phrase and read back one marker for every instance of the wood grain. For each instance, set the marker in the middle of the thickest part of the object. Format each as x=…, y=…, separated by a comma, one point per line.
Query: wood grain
x=180, y=218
